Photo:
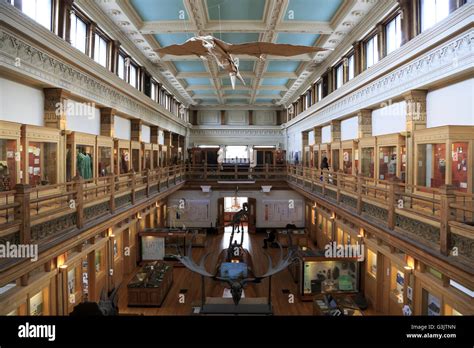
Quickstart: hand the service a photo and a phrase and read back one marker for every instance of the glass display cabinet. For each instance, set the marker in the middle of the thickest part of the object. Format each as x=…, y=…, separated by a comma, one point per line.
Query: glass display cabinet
x=105, y=160
x=321, y=275
x=336, y=157
x=350, y=157
x=315, y=156
x=136, y=151
x=40, y=162
x=80, y=155
x=155, y=155
x=391, y=154
x=164, y=156
x=147, y=152
x=443, y=155
x=367, y=148
x=9, y=155
x=325, y=152
x=122, y=156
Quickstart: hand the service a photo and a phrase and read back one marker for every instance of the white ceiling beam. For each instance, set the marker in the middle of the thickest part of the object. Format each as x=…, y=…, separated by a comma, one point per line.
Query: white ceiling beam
x=166, y=27
x=248, y=74
x=191, y=88
x=305, y=27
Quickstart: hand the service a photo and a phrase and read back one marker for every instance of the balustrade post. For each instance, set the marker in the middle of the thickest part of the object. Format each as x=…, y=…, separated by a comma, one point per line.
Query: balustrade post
x=159, y=179
x=148, y=182
x=360, y=190
x=205, y=170
x=393, y=189
x=324, y=175
x=112, y=194
x=168, y=177
x=311, y=178
x=338, y=184
x=133, y=186
x=235, y=171
x=266, y=170
x=22, y=211
x=447, y=197
x=79, y=188
x=174, y=173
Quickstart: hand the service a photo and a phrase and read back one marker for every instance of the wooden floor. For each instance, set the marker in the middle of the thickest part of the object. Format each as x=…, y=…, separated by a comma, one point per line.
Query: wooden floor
x=185, y=279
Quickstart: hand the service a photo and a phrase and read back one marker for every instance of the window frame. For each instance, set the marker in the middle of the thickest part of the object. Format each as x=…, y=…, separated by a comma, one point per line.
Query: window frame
x=372, y=36
x=83, y=18
x=390, y=18
x=19, y=5
x=100, y=33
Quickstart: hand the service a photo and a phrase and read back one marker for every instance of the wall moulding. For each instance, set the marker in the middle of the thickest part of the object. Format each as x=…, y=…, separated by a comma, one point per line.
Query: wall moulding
x=22, y=57
x=432, y=56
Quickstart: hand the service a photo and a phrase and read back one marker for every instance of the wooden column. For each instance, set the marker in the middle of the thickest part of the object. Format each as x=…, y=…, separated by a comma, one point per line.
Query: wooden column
x=381, y=40
x=335, y=130
x=250, y=117
x=447, y=197
x=222, y=117
x=407, y=22
x=55, y=105
x=415, y=120
x=393, y=188
x=22, y=211
x=114, y=56
x=107, y=116
x=64, y=20
x=154, y=134
x=79, y=201
x=364, y=120
x=317, y=135
x=357, y=58
x=136, y=130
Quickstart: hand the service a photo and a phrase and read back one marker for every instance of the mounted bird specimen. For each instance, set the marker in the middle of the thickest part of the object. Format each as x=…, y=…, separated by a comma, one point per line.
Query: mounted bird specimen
x=222, y=52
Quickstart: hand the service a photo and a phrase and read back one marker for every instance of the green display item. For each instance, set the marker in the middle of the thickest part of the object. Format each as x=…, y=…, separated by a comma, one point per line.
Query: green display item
x=345, y=283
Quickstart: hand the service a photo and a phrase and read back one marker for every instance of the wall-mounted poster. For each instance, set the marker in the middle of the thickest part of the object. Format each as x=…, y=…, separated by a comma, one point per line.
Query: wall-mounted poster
x=195, y=210
x=283, y=210
x=36, y=304
x=153, y=248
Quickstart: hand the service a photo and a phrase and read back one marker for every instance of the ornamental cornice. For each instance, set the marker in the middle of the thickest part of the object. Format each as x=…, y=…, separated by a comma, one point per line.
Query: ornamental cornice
x=22, y=57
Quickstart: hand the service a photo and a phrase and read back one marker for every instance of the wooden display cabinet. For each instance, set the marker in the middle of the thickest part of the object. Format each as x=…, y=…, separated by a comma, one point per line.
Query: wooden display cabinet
x=390, y=158
x=350, y=157
x=105, y=157
x=122, y=156
x=147, y=156
x=266, y=156
x=80, y=147
x=367, y=147
x=164, y=155
x=10, y=155
x=325, y=151
x=136, y=155
x=307, y=156
x=315, y=156
x=336, y=156
x=40, y=162
x=155, y=155
x=444, y=155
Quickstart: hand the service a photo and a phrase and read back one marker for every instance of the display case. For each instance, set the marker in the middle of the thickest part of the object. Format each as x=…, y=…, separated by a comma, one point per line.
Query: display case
x=444, y=156
x=155, y=155
x=391, y=155
x=328, y=275
x=150, y=285
x=40, y=160
x=325, y=152
x=307, y=156
x=137, y=154
x=397, y=285
x=371, y=264
x=336, y=156
x=80, y=155
x=105, y=159
x=350, y=157
x=39, y=303
x=122, y=156
x=366, y=151
x=315, y=156
x=147, y=156
x=164, y=157
x=9, y=155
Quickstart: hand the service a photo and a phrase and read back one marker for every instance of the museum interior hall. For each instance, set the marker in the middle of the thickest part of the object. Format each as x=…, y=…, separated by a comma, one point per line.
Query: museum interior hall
x=236, y=157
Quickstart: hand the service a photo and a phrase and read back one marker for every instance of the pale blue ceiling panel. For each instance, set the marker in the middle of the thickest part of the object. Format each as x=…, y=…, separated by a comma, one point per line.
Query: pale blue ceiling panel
x=160, y=10
x=198, y=81
x=237, y=38
x=235, y=10
x=274, y=82
x=237, y=101
x=312, y=10
x=246, y=65
x=264, y=100
x=236, y=92
x=263, y=92
x=172, y=39
x=189, y=66
x=198, y=92
x=283, y=66
x=304, y=39
x=226, y=82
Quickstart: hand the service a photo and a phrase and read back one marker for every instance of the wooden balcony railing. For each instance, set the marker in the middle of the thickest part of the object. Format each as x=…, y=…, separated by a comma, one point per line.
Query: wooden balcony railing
x=442, y=218
x=34, y=214
x=236, y=171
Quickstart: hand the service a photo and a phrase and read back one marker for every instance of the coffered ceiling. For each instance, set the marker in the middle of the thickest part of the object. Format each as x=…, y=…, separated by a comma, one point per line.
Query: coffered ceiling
x=158, y=23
